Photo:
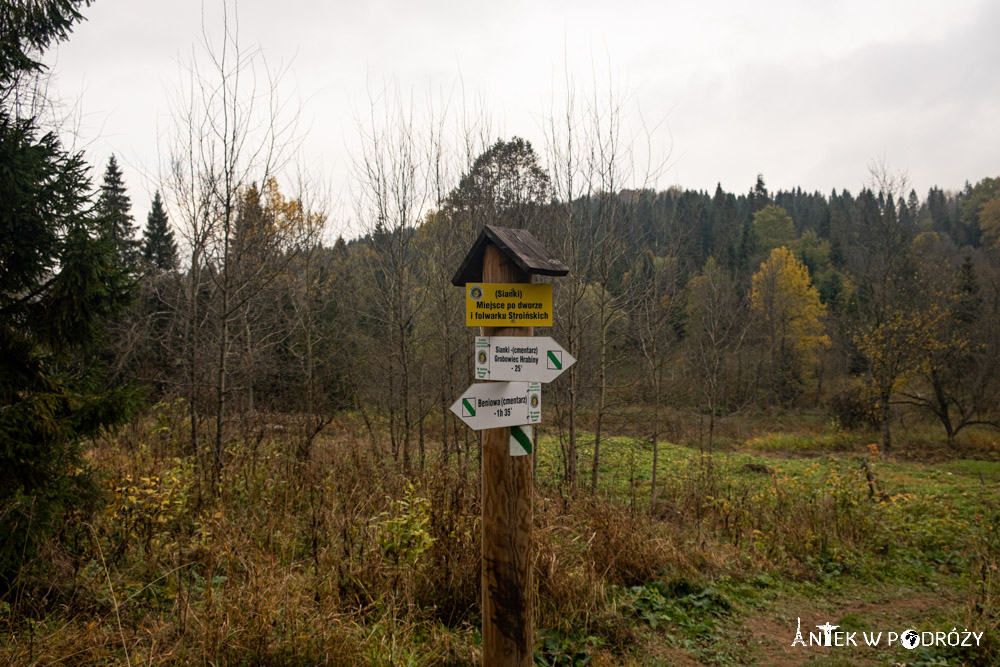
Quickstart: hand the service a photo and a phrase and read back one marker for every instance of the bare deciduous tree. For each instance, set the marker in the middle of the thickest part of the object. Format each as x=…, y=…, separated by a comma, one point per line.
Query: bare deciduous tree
x=231, y=130
x=717, y=324
x=592, y=163
x=392, y=192
x=888, y=313
x=654, y=281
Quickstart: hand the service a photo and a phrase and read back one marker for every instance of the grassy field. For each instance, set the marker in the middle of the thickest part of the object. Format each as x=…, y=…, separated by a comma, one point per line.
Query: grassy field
x=341, y=558
x=787, y=526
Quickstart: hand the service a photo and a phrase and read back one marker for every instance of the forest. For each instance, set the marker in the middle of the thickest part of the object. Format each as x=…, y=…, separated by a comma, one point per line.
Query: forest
x=227, y=437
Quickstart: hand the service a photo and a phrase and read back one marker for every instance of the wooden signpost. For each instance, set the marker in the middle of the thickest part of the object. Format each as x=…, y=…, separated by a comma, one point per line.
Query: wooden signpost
x=509, y=257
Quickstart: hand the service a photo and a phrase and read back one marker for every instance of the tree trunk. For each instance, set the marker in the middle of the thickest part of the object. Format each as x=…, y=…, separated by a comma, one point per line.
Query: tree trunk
x=885, y=417
x=602, y=372
x=221, y=383
x=656, y=440
x=192, y=350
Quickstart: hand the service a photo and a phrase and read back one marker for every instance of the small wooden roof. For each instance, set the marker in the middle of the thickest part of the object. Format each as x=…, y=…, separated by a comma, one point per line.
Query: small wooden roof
x=519, y=245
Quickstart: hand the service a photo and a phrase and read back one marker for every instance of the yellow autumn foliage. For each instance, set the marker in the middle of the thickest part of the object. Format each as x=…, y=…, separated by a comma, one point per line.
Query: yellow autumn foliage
x=783, y=297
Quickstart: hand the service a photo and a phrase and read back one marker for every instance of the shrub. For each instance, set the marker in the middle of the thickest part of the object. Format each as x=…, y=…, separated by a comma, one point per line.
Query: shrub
x=853, y=407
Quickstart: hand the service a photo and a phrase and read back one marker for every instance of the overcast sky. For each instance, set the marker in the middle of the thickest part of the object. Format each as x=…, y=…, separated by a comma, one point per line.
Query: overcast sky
x=806, y=93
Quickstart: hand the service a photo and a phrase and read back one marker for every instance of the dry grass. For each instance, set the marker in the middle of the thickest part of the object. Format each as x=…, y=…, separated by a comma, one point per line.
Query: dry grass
x=341, y=558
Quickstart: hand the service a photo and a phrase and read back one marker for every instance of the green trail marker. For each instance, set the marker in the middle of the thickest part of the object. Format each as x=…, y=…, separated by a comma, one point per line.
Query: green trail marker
x=521, y=438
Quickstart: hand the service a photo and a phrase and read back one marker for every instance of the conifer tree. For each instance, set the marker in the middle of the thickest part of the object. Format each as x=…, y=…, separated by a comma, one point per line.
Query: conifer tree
x=747, y=248
x=758, y=197
x=114, y=208
x=59, y=282
x=158, y=246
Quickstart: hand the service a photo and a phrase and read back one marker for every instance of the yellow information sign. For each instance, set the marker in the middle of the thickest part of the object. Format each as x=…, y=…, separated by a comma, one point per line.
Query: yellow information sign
x=508, y=305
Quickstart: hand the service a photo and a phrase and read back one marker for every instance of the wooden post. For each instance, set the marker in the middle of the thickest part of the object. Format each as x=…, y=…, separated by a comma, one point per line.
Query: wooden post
x=503, y=255
x=508, y=587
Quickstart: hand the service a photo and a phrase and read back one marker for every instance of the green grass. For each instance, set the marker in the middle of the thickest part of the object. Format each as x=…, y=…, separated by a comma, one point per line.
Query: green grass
x=936, y=526
x=985, y=472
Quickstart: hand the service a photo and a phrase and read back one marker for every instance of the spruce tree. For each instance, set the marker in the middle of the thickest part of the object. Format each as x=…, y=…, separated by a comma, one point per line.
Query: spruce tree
x=158, y=246
x=60, y=281
x=758, y=197
x=114, y=208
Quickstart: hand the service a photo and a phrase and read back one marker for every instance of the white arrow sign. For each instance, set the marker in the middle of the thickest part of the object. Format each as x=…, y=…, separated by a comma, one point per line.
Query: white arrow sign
x=520, y=358
x=499, y=404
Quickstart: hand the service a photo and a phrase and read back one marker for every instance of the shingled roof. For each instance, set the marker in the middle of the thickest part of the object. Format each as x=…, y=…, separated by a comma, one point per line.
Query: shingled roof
x=519, y=245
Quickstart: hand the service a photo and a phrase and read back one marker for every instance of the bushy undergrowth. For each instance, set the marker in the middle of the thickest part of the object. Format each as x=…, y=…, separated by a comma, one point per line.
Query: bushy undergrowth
x=343, y=558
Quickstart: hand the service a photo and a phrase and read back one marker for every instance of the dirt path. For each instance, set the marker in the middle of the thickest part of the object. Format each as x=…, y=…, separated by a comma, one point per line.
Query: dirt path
x=770, y=633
